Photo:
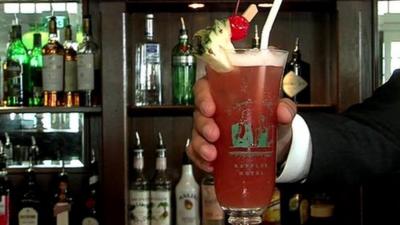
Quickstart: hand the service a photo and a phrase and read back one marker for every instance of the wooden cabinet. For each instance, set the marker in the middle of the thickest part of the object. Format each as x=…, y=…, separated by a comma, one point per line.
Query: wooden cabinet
x=336, y=41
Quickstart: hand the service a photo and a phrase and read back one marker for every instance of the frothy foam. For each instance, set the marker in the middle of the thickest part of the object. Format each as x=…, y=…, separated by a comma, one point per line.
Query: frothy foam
x=254, y=57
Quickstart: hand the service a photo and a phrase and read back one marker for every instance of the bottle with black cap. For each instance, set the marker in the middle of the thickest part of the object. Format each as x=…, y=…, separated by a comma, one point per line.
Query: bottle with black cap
x=187, y=194
x=139, y=193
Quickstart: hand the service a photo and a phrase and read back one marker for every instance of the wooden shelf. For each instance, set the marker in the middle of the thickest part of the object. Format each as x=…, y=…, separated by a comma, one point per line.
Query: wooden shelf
x=176, y=110
x=38, y=170
x=151, y=6
x=5, y=109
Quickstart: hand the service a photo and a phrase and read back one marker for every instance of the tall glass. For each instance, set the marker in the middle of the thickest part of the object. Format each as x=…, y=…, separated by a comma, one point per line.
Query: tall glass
x=246, y=100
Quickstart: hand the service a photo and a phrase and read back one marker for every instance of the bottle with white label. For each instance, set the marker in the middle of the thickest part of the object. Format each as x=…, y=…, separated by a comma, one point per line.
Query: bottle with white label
x=139, y=193
x=53, y=67
x=160, y=189
x=62, y=200
x=4, y=189
x=90, y=214
x=88, y=80
x=29, y=210
x=187, y=193
x=71, y=96
x=212, y=213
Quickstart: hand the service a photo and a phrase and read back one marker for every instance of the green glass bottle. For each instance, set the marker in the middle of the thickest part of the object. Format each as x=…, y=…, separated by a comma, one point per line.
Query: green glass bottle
x=35, y=67
x=183, y=70
x=16, y=78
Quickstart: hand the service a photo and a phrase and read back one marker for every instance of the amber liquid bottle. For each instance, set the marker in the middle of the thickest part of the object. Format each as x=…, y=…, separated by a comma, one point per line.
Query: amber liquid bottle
x=71, y=96
x=53, y=67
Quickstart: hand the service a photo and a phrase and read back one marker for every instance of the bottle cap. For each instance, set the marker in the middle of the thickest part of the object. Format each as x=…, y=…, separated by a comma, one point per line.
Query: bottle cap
x=186, y=160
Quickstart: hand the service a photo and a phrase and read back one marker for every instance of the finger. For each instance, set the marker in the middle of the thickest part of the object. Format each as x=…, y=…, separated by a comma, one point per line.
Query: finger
x=286, y=111
x=203, y=99
x=201, y=152
x=206, y=127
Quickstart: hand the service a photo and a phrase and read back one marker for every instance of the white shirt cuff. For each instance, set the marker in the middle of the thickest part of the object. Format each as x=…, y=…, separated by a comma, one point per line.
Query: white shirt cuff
x=298, y=161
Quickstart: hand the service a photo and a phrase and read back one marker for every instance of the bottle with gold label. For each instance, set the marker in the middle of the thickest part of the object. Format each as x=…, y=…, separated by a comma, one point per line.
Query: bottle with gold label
x=296, y=82
x=272, y=216
x=212, y=213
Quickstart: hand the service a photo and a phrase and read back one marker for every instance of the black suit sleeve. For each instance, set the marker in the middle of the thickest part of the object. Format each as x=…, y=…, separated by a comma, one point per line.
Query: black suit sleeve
x=360, y=144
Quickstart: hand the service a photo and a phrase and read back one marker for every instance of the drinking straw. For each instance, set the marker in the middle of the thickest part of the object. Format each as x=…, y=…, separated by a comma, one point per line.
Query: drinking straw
x=268, y=24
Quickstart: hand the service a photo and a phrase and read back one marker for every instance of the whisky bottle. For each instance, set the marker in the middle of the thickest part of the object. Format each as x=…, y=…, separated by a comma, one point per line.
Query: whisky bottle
x=35, y=71
x=139, y=192
x=272, y=215
x=71, y=96
x=29, y=209
x=322, y=209
x=212, y=213
x=148, y=89
x=255, y=41
x=160, y=189
x=296, y=82
x=187, y=193
x=90, y=214
x=62, y=199
x=88, y=81
x=4, y=189
x=183, y=70
x=53, y=67
x=16, y=77
x=33, y=154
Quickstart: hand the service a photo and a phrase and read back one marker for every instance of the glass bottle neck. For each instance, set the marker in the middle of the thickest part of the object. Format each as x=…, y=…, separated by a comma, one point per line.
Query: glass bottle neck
x=187, y=170
x=161, y=163
x=138, y=163
x=53, y=37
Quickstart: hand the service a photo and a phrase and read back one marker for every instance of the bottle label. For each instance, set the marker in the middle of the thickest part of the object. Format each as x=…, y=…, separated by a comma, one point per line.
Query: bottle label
x=187, y=209
x=152, y=53
x=53, y=68
x=211, y=208
x=70, y=76
x=28, y=216
x=183, y=60
x=86, y=72
x=160, y=207
x=293, y=84
x=61, y=212
x=13, y=78
x=139, y=202
x=93, y=179
x=90, y=221
x=5, y=210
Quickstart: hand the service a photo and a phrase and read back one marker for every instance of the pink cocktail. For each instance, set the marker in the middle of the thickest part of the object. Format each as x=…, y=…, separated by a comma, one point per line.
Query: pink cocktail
x=246, y=100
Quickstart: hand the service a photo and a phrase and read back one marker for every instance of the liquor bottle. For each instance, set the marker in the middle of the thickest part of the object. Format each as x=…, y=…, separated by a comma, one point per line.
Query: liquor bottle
x=88, y=81
x=33, y=154
x=187, y=193
x=90, y=214
x=71, y=96
x=29, y=209
x=298, y=210
x=53, y=67
x=183, y=70
x=4, y=189
x=16, y=77
x=8, y=149
x=212, y=213
x=160, y=189
x=148, y=89
x=321, y=209
x=296, y=82
x=35, y=71
x=255, y=41
x=62, y=199
x=272, y=215
x=139, y=192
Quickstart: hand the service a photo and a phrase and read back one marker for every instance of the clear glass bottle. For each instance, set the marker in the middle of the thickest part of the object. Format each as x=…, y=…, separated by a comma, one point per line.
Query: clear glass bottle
x=16, y=77
x=53, y=67
x=35, y=71
x=148, y=87
x=187, y=194
x=183, y=70
x=71, y=96
x=160, y=189
x=296, y=82
x=89, y=82
x=90, y=214
x=212, y=213
x=139, y=191
x=8, y=149
x=255, y=41
x=30, y=207
x=4, y=189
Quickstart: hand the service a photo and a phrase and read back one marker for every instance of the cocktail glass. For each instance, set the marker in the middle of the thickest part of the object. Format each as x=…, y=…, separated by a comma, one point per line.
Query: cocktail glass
x=246, y=100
